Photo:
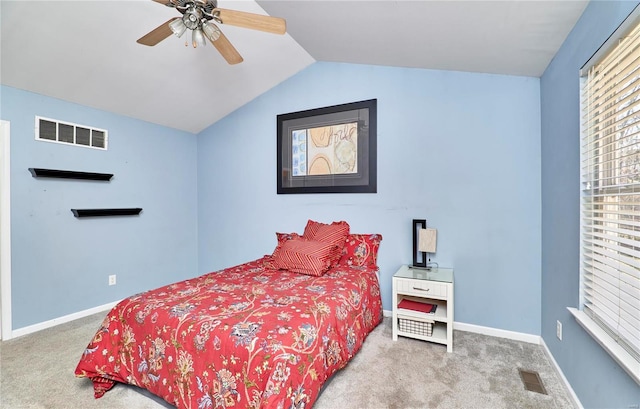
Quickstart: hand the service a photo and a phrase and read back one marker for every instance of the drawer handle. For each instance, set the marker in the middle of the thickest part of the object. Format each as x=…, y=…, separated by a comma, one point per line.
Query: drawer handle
x=420, y=289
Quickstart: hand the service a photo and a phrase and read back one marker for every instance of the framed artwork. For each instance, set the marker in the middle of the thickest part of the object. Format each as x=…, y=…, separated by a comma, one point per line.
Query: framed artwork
x=328, y=150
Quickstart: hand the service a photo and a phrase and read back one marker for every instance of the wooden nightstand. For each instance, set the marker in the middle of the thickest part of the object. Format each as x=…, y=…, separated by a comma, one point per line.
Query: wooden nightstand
x=433, y=286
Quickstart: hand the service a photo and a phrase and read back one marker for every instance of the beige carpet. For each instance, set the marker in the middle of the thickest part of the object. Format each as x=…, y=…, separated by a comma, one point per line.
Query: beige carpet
x=36, y=371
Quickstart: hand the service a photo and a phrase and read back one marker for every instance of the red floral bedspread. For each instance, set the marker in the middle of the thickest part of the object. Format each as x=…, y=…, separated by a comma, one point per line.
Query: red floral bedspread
x=244, y=337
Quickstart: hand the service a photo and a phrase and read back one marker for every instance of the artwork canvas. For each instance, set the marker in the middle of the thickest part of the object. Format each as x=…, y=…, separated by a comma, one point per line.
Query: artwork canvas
x=325, y=150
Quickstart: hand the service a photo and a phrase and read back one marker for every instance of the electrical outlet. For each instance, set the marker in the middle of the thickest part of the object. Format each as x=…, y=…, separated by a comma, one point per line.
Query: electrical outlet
x=112, y=279
x=559, y=330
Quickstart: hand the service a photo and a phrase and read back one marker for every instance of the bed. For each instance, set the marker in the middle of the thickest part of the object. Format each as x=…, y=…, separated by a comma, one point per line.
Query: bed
x=267, y=333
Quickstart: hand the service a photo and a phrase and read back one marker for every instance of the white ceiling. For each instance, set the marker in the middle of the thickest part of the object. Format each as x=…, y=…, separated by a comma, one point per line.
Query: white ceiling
x=85, y=51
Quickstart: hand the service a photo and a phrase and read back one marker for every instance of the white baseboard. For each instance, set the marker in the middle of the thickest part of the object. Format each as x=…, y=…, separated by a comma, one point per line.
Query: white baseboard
x=61, y=320
x=500, y=333
x=494, y=332
x=572, y=393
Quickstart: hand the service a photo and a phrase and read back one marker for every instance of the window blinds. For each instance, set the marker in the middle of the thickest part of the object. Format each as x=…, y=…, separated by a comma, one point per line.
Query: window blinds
x=610, y=155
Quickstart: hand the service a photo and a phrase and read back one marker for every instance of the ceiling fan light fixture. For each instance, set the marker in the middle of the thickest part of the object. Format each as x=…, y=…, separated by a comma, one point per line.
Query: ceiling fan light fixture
x=192, y=17
x=211, y=31
x=197, y=39
x=178, y=27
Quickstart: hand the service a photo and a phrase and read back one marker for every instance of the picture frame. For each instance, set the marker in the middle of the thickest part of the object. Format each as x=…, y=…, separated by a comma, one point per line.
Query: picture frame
x=328, y=150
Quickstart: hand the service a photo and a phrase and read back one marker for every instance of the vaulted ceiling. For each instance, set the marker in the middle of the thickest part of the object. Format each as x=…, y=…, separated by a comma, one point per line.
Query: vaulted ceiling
x=86, y=52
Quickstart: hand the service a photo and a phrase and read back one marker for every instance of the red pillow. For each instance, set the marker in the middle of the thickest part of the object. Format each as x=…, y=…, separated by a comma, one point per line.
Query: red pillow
x=282, y=238
x=335, y=233
x=361, y=250
x=304, y=256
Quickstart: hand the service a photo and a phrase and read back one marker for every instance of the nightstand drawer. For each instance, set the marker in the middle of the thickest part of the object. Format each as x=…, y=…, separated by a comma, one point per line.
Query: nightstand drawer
x=420, y=288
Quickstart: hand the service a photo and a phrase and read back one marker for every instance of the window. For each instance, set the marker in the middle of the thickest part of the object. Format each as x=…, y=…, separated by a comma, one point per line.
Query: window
x=52, y=130
x=610, y=223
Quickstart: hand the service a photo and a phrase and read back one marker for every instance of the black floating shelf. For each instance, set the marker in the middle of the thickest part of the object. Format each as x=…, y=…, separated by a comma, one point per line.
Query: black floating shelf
x=69, y=174
x=133, y=211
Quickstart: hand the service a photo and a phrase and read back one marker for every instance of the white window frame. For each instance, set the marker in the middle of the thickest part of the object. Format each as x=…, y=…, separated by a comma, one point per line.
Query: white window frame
x=603, y=334
x=75, y=126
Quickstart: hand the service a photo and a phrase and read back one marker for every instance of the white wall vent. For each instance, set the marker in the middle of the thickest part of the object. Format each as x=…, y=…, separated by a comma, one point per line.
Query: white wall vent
x=52, y=130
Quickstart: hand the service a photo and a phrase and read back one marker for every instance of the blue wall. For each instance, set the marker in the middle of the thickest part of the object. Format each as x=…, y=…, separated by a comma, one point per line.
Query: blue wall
x=458, y=149
x=60, y=264
x=597, y=380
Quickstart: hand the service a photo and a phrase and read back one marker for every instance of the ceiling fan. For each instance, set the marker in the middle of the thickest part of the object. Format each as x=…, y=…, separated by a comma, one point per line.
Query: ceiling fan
x=201, y=16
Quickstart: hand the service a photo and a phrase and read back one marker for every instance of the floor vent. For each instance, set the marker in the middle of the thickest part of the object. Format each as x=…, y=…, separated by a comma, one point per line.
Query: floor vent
x=532, y=381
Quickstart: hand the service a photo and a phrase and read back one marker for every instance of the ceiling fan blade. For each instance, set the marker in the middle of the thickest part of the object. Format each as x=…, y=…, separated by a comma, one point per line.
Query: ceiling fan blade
x=228, y=51
x=253, y=21
x=156, y=35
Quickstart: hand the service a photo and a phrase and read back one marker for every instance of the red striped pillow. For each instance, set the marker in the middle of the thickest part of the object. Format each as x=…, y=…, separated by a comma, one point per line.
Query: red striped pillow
x=335, y=233
x=305, y=256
